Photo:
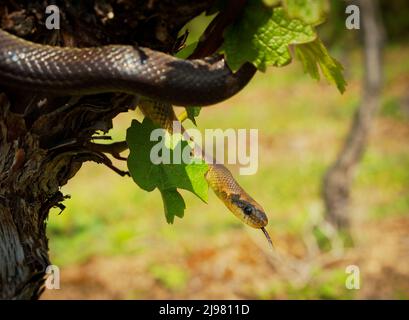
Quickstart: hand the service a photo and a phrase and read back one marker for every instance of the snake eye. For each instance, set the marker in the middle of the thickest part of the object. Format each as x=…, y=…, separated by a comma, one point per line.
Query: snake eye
x=248, y=210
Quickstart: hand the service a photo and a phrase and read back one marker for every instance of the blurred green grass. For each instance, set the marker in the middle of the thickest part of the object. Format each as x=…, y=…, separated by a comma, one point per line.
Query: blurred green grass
x=302, y=124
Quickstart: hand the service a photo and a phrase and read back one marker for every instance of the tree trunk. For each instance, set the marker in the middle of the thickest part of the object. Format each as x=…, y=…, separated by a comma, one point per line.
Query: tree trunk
x=338, y=179
x=43, y=138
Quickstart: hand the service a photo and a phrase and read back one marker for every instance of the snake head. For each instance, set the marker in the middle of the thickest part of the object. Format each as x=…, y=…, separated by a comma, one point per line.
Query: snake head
x=249, y=211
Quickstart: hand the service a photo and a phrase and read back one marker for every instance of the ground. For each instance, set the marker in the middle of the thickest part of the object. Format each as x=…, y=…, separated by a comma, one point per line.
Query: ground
x=112, y=241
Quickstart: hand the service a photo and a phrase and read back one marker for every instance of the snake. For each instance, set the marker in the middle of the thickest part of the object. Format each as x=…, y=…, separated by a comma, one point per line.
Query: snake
x=156, y=76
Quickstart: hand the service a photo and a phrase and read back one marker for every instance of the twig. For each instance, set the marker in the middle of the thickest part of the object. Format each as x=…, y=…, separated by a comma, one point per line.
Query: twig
x=114, y=148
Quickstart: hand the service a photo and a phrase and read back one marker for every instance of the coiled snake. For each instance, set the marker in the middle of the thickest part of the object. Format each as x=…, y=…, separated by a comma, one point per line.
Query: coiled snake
x=138, y=71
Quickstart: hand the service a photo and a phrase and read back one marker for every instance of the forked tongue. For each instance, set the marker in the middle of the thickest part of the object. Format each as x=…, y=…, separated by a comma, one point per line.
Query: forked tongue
x=268, y=237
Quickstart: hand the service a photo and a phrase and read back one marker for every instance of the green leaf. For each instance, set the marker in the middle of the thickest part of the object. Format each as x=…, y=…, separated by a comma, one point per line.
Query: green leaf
x=315, y=54
x=309, y=11
x=173, y=204
x=262, y=36
x=139, y=164
x=167, y=177
x=187, y=51
x=192, y=113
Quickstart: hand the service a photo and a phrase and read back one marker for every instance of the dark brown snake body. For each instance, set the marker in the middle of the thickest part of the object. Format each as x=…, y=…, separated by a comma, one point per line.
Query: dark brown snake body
x=138, y=71
x=118, y=68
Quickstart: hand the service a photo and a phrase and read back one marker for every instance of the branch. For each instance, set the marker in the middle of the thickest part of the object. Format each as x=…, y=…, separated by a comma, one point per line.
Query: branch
x=212, y=38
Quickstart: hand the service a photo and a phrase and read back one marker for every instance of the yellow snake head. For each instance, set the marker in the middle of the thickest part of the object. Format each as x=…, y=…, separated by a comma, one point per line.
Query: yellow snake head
x=234, y=197
x=249, y=211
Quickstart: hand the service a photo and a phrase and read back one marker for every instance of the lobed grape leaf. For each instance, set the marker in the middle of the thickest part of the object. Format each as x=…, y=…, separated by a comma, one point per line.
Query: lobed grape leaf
x=166, y=177
x=262, y=36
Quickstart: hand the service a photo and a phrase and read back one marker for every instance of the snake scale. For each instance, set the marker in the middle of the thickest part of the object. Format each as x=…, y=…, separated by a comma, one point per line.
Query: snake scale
x=138, y=71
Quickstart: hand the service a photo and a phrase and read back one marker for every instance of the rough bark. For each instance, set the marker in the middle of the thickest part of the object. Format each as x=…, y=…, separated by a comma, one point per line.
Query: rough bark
x=338, y=179
x=43, y=138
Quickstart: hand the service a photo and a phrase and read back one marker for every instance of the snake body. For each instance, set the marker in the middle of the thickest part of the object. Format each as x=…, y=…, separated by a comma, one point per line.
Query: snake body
x=118, y=68
x=219, y=178
x=139, y=71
